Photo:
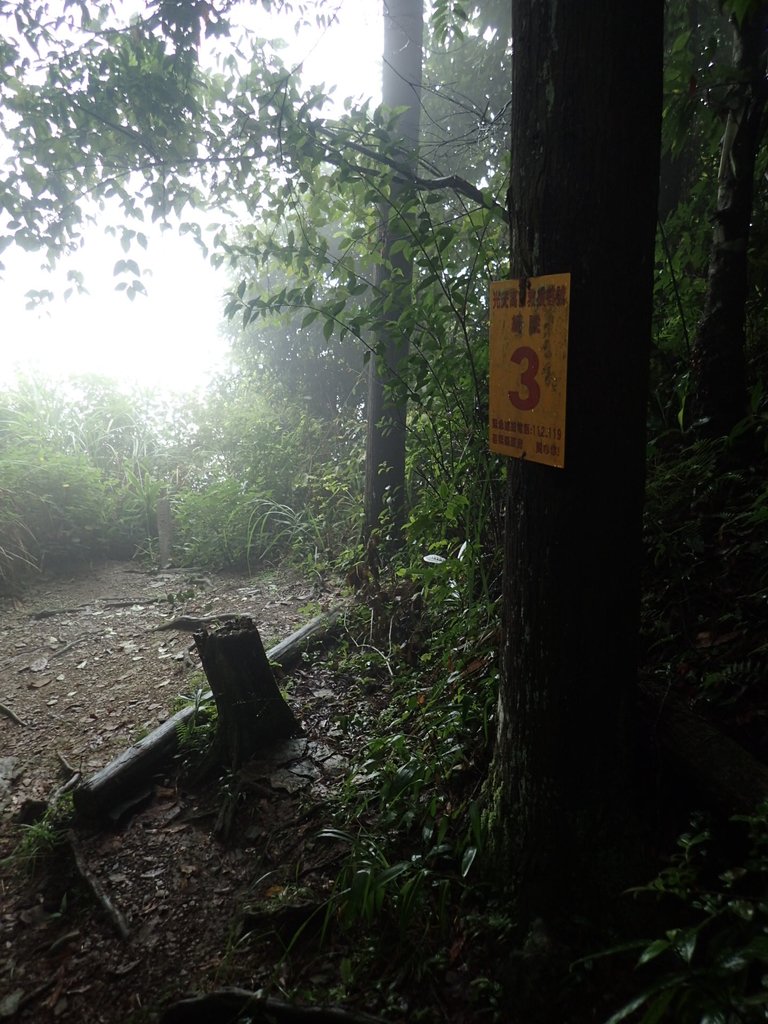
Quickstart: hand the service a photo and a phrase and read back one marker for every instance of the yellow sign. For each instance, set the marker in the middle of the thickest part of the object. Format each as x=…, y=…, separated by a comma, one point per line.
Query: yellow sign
x=528, y=368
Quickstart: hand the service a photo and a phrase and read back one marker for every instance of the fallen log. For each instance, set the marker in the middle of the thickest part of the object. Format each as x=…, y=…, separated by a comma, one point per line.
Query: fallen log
x=288, y=651
x=139, y=762
x=727, y=776
x=129, y=769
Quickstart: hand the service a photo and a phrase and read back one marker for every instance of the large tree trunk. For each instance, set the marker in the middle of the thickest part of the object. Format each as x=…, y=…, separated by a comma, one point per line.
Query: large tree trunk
x=719, y=374
x=385, y=450
x=586, y=110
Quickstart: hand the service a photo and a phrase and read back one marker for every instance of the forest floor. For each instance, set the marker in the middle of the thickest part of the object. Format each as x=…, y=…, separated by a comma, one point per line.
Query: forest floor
x=84, y=675
x=130, y=913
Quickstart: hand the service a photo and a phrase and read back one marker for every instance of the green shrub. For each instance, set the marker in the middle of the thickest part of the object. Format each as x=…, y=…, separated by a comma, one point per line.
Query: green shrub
x=711, y=963
x=211, y=525
x=16, y=559
x=62, y=503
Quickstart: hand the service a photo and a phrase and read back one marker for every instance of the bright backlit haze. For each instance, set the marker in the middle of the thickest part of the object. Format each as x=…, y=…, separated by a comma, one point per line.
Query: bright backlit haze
x=170, y=339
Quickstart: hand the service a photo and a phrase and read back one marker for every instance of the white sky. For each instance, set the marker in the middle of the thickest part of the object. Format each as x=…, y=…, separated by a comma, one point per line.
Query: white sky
x=171, y=339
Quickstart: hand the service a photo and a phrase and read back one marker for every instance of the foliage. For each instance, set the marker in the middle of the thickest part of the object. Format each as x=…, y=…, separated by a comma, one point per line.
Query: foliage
x=269, y=479
x=83, y=462
x=701, y=87
x=312, y=186
x=742, y=9
x=705, y=514
x=86, y=102
x=413, y=795
x=249, y=478
x=41, y=839
x=269, y=464
x=16, y=559
x=124, y=112
x=195, y=735
x=62, y=504
x=465, y=123
x=453, y=249
x=711, y=966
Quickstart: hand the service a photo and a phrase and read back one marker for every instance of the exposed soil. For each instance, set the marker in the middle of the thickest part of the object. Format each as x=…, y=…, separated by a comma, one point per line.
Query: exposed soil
x=84, y=675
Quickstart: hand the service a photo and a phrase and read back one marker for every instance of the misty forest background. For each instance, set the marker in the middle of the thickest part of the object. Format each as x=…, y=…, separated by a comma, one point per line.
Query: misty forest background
x=270, y=463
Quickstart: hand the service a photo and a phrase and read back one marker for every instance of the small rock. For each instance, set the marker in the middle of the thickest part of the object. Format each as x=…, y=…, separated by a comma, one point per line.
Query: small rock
x=9, y=1004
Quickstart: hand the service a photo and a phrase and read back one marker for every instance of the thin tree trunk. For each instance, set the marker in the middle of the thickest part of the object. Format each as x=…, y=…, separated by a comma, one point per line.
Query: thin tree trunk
x=719, y=373
x=386, y=413
x=582, y=199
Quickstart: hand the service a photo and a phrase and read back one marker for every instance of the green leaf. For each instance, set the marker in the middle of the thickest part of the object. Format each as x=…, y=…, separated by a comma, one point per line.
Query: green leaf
x=657, y=1010
x=392, y=872
x=685, y=944
x=468, y=860
x=680, y=42
x=629, y=1008
x=655, y=949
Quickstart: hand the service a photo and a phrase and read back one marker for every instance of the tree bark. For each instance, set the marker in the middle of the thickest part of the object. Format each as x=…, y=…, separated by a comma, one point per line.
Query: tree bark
x=251, y=709
x=586, y=112
x=386, y=413
x=719, y=373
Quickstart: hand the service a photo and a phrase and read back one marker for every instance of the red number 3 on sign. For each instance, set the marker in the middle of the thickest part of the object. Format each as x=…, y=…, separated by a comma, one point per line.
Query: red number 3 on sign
x=530, y=398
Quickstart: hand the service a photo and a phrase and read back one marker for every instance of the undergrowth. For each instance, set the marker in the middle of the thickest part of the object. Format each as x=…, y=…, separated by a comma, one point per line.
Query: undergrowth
x=404, y=909
x=710, y=962
x=706, y=581
x=41, y=839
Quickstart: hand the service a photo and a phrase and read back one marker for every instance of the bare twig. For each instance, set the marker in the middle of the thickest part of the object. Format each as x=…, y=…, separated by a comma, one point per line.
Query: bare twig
x=119, y=602
x=116, y=919
x=72, y=783
x=5, y=710
x=65, y=764
x=68, y=647
x=49, y=613
x=192, y=623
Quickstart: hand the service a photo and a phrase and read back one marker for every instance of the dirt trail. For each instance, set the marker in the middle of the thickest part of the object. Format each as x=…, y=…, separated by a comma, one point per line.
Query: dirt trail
x=83, y=670
x=83, y=675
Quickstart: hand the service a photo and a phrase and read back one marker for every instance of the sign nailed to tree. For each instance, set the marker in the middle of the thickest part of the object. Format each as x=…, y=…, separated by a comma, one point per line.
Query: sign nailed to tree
x=528, y=368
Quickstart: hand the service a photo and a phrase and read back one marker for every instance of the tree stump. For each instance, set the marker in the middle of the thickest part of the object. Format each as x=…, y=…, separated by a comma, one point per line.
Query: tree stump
x=135, y=767
x=251, y=709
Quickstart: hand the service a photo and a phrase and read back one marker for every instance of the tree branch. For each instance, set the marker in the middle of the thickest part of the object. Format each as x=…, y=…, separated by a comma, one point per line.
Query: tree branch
x=450, y=182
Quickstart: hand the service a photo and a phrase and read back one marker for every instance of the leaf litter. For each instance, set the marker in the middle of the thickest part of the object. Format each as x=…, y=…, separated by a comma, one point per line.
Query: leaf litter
x=142, y=910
